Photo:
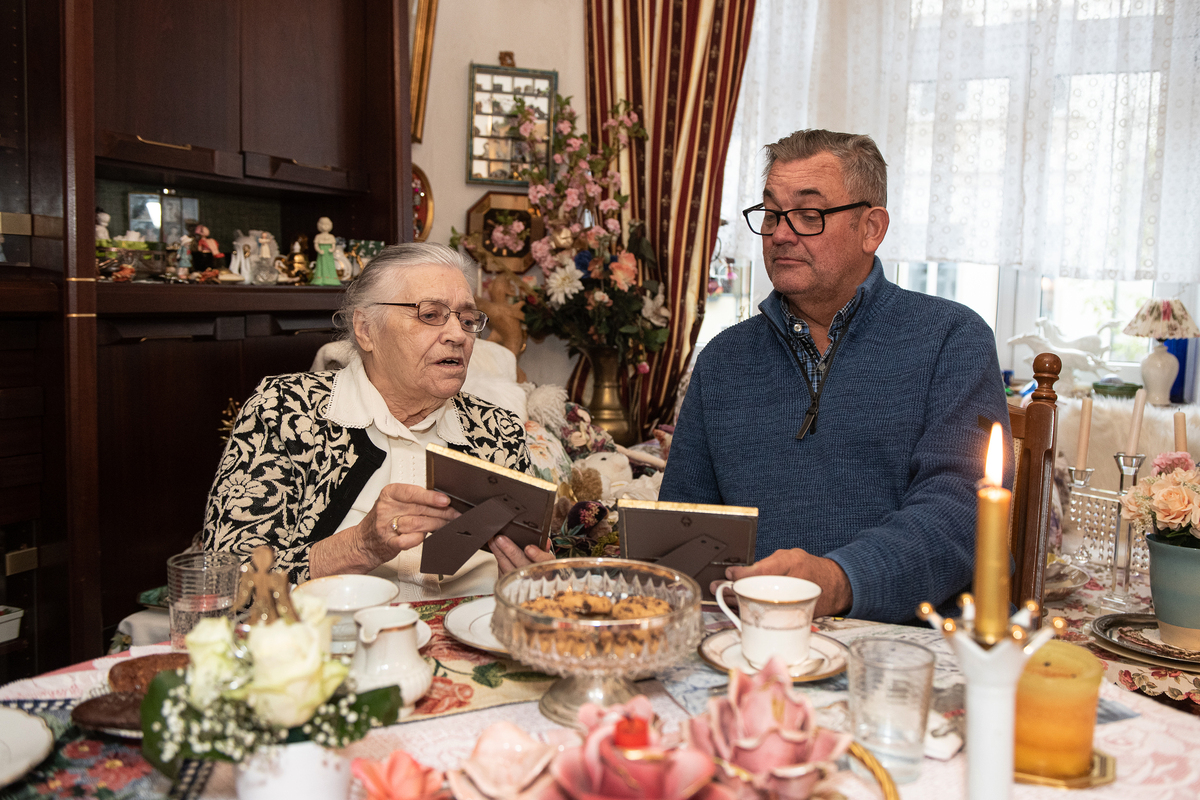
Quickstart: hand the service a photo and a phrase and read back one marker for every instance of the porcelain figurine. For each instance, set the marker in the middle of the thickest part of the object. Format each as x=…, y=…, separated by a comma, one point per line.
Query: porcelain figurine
x=265, y=242
x=325, y=271
x=183, y=257
x=102, y=220
x=206, y=244
x=344, y=267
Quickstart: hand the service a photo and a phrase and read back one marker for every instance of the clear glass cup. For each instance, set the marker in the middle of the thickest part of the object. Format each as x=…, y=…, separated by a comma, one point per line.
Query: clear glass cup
x=200, y=585
x=891, y=682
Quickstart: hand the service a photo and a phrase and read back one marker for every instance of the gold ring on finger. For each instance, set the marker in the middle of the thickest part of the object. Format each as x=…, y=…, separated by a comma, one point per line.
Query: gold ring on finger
x=395, y=524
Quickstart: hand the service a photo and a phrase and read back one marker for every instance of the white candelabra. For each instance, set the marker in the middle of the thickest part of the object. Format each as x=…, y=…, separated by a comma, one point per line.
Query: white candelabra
x=991, y=674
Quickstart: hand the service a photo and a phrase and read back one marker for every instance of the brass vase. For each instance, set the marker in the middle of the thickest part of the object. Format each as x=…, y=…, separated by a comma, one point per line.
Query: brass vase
x=605, y=404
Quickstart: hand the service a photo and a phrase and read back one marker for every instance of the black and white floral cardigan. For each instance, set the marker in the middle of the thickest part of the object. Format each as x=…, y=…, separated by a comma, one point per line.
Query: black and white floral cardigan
x=289, y=476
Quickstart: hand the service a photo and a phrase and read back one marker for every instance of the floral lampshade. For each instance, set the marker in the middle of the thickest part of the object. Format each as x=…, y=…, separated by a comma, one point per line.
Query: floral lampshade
x=1163, y=319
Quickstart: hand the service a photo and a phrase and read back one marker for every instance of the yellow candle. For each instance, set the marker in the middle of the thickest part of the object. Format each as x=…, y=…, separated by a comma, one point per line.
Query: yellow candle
x=991, y=547
x=1056, y=711
x=1180, y=432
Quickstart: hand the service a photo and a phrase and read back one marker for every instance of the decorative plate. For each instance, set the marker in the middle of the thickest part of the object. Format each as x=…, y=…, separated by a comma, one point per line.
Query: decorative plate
x=471, y=624
x=1062, y=580
x=124, y=733
x=25, y=740
x=827, y=657
x=1139, y=633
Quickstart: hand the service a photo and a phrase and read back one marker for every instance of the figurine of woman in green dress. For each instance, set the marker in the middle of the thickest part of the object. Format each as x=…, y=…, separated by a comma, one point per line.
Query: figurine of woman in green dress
x=325, y=269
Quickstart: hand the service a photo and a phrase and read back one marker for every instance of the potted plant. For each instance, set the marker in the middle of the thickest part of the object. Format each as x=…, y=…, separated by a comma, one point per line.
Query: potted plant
x=1166, y=507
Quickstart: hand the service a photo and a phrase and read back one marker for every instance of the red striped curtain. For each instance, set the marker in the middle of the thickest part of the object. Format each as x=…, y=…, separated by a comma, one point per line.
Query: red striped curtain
x=679, y=62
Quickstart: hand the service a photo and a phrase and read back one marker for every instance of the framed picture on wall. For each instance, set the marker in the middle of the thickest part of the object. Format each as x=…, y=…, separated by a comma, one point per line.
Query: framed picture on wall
x=495, y=153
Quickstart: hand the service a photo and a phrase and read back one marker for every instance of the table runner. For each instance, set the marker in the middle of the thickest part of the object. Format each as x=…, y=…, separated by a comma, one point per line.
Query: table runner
x=466, y=679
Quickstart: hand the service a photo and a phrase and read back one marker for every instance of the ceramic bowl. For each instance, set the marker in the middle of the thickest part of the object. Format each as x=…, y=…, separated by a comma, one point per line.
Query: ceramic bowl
x=345, y=594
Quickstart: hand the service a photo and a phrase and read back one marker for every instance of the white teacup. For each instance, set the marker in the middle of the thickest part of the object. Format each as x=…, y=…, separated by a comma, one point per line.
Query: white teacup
x=775, y=615
x=345, y=594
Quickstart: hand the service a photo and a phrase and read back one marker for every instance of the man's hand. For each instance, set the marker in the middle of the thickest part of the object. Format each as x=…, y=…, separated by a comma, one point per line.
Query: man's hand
x=836, y=595
x=509, y=556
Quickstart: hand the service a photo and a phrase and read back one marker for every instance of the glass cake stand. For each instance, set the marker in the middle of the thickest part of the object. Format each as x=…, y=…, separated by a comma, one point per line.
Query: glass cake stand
x=597, y=658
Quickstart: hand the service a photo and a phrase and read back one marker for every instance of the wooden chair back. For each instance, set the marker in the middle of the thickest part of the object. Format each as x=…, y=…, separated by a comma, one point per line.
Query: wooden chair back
x=1034, y=430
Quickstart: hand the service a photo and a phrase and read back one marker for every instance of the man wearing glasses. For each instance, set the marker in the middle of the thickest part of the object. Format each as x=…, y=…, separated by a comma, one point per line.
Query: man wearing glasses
x=848, y=411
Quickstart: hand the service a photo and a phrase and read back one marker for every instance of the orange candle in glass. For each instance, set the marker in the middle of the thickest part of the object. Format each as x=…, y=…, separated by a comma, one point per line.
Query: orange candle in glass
x=1056, y=711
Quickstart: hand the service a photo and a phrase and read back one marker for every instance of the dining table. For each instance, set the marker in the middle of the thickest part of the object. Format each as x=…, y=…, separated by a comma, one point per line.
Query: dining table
x=1156, y=746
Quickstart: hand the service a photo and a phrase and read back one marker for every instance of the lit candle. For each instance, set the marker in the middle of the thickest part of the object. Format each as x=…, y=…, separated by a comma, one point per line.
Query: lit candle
x=1180, y=432
x=1056, y=711
x=1135, y=427
x=991, y=546
x=1085, y=430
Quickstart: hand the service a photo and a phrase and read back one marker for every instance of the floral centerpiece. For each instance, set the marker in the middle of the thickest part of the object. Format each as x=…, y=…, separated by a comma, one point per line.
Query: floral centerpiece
x=268, y=684
x=594, y=294
x=1168, y=501
x=1166, y=508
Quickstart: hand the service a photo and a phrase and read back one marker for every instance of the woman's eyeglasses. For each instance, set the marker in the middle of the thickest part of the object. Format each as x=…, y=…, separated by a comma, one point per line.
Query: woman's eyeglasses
x=431, y=312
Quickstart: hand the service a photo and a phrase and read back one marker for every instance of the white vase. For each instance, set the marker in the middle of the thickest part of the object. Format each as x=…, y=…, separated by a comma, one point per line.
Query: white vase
x=289, y=771
x=1159, y=370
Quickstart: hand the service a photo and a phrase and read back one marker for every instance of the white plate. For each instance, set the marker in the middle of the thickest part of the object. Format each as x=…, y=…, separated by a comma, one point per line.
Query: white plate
x=471, y=624
x=424, y=633
x=826, y=657
x=25, y=740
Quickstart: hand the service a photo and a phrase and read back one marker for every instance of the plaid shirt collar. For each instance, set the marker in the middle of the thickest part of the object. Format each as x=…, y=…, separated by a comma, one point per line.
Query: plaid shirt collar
x=800, y=336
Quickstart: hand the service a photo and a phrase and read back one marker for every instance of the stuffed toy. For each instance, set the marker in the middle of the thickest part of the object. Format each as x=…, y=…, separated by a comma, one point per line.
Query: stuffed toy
x=615, y=473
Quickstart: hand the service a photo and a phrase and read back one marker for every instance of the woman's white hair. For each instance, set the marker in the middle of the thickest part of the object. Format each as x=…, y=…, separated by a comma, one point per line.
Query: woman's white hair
x=379, y=281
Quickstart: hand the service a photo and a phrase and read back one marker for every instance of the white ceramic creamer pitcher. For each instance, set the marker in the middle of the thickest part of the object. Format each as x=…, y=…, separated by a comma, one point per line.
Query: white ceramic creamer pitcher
x=387, y=654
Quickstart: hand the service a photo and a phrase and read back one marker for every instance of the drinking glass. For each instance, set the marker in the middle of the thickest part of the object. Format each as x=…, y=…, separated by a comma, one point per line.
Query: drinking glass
x=890, y=686
x=200, y=585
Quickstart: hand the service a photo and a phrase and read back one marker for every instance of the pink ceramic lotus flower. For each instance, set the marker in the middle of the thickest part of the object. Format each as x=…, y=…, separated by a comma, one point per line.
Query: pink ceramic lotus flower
x=602, y=770
x=765, y=729
x=506, y=764
x=401, y=777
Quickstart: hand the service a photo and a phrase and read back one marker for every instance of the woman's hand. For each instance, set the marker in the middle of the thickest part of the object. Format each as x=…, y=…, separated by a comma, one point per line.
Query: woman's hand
x=400, y=519
x=509, y=556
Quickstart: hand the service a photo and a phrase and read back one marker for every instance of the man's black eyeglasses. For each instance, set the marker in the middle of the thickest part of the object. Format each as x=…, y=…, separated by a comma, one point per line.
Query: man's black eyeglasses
x=431, y=312
x=802, y=221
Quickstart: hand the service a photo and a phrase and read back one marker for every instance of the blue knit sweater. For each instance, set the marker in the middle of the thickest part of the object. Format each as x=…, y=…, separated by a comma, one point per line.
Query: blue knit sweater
x=886, y=485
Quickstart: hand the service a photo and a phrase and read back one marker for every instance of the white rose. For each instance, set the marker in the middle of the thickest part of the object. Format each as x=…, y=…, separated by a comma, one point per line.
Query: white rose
x=213, y=665
x=291, y=674
x=311, y=611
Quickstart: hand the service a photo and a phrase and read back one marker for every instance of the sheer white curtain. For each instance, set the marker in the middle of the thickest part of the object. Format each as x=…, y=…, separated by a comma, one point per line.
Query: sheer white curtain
x=1060, y=136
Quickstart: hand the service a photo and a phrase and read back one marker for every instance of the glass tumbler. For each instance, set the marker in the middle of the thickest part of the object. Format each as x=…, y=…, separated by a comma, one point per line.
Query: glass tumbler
x=200, y=585
x=890, y=686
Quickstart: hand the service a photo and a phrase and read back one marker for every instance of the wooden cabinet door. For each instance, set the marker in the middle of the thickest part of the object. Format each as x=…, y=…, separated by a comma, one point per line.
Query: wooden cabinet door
x=167, y=83
x=302, y=76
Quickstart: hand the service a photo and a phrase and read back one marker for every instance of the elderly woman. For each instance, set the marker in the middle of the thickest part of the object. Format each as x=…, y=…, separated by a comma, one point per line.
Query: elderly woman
x=329, y=467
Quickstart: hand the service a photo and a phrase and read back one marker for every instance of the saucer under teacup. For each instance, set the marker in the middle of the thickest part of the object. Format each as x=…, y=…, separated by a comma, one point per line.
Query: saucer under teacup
x=826, y=656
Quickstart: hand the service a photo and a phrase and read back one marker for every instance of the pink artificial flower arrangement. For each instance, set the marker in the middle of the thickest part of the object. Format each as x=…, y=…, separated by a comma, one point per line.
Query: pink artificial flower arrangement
x=766, y=736
x=1169, y=462
x=1168, y=501
x=594, y=293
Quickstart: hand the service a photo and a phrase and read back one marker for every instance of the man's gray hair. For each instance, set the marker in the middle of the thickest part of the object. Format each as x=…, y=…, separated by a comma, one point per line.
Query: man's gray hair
x=863, y=168
x=379, y=281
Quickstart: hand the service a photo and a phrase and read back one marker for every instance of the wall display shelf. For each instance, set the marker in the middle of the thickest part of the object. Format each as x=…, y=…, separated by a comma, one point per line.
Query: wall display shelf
x=112, y=396
x=495, y=153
